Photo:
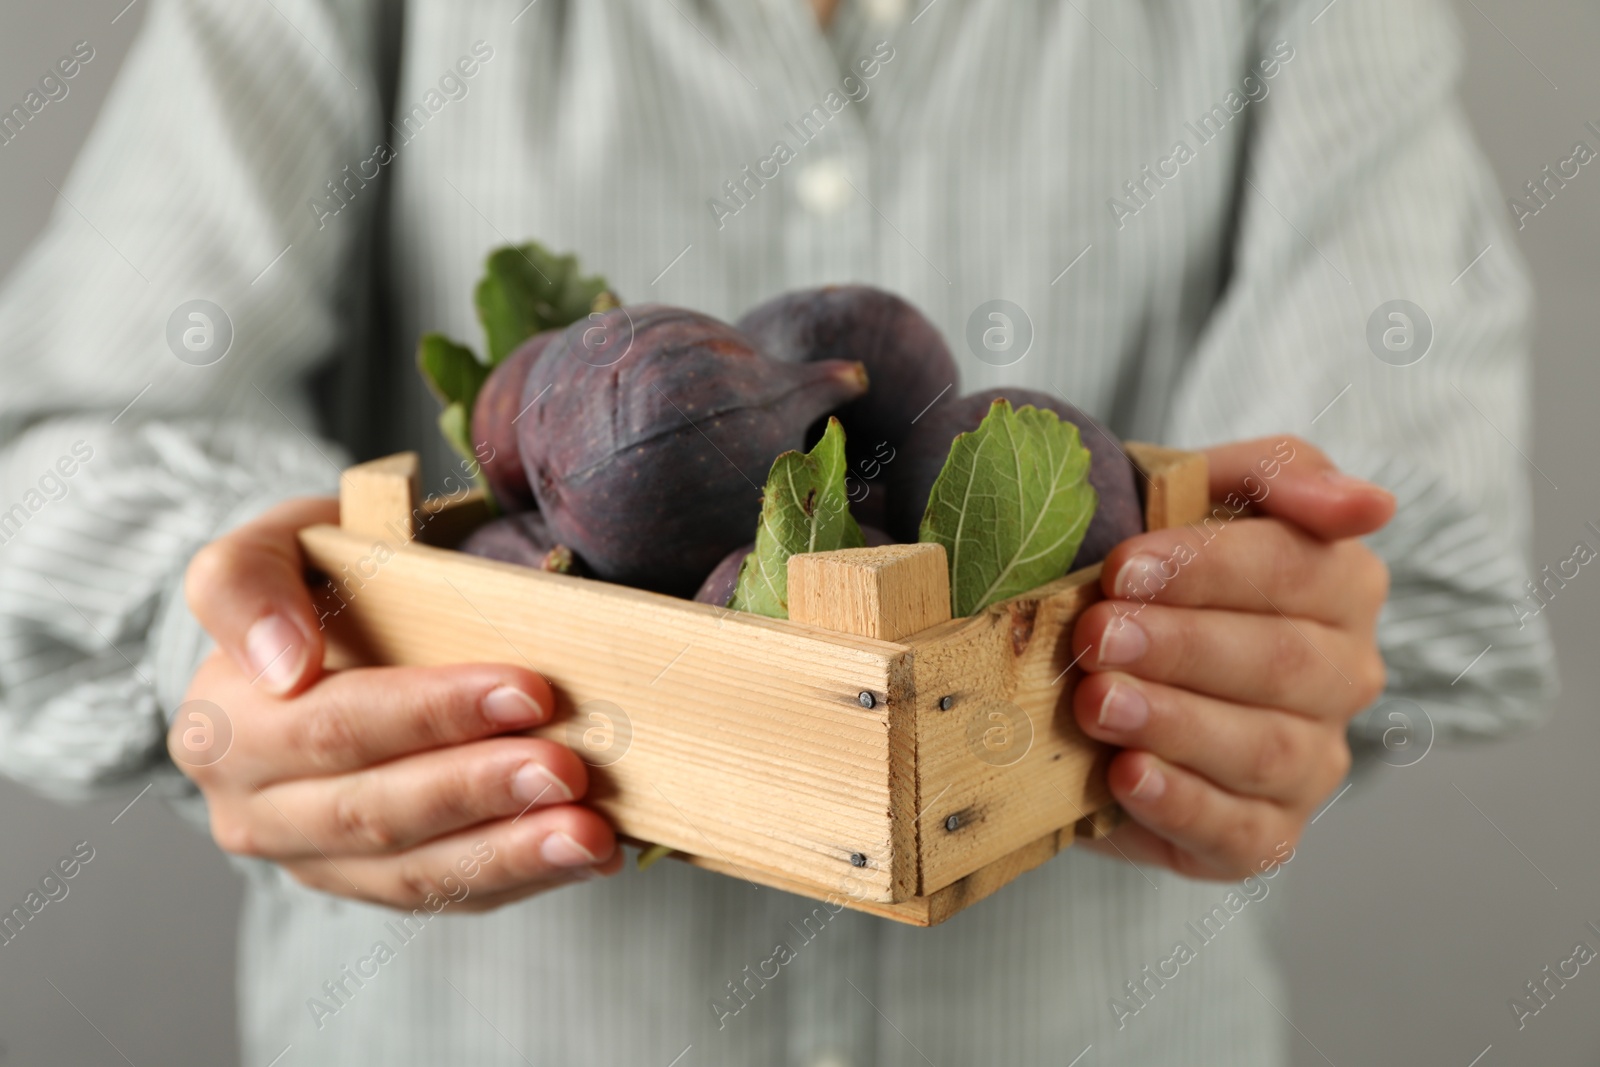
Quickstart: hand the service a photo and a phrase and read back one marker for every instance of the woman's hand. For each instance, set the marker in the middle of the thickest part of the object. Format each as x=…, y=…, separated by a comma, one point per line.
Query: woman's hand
x=1229, y=661
x=383, y=784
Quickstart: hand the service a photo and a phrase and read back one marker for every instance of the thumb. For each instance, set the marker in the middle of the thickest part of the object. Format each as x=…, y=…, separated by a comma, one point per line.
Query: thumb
x=1291, y=479
x=248, y=590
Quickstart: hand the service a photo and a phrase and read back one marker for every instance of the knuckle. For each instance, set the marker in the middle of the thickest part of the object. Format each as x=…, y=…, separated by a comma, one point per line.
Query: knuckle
x=1367, y=573
x=214, y=565
x=411, y=887
x=312, y=876
x=233, y=834
x=1340, y=760
x=327, y=735
x=1280, y=755
x=1371, y=679
x=361, y=823
x=1244, y=839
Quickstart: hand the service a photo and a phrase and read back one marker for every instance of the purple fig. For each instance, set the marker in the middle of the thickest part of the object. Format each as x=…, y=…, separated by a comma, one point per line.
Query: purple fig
x=494, y=423
x=907, y=362
x=522, y=538
x=1118, y=516
x=650, y=431
x=719, y=584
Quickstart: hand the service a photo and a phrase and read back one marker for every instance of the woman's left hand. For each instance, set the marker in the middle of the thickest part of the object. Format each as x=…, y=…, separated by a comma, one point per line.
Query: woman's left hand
x=1228, y=662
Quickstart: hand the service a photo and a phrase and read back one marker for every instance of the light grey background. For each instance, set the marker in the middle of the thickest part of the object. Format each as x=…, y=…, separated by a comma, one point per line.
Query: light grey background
x=1414, y=915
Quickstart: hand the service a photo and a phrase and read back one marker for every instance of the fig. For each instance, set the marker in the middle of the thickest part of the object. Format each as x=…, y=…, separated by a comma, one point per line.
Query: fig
x=907, y=362
x=494, y=423
x=523, y=538
x=649, y=431
x=1118, y=517
x=719, y=584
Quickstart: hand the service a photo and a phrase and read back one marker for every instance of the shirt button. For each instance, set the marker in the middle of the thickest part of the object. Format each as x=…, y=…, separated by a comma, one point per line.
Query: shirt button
x=824, y=187
x=886, y=12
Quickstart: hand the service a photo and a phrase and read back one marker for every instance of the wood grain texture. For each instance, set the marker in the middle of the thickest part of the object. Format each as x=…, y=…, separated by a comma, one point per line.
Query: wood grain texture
x=747, y=746
x=380, y=499
x=716, y=732
x=881, y=593
x=1175, y=484
x=889, y=592
x=981, y=808
x=1006, y=763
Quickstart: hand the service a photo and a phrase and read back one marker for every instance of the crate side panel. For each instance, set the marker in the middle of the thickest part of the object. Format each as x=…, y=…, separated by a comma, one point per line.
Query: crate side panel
x=1006, y=764
x=716, y=733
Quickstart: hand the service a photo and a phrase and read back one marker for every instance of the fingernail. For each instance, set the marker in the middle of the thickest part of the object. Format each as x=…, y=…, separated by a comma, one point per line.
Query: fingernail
x=532, y=783
x=560, y=850
x=1122, y=642
x=1140, y=578
x=276, y=651
x=1346, y=482
x=1124, y=710
x=510, y=706
x=1149, y=787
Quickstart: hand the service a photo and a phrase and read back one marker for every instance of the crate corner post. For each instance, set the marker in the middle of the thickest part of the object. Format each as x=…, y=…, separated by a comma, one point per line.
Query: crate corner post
x=379, y=498
x=887, y=593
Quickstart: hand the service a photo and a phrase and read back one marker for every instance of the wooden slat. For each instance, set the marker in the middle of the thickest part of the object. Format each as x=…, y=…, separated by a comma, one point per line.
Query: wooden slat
x=1006, y=763
x=749, y=741
x=1015, y=659
x=919, y=911
x=446, y=520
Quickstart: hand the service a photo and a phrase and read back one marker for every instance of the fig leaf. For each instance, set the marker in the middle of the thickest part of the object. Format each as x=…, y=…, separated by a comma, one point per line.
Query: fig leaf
x=804, y=508
x=1010, y=506
x=450, y=369
x=526, y=290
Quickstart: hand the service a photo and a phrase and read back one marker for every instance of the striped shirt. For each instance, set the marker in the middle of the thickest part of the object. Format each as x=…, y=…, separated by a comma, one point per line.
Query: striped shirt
x=1201, y=211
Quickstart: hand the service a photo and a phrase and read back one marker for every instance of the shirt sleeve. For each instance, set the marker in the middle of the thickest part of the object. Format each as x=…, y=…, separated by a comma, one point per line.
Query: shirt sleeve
x=1361, y=188
x=226, y=167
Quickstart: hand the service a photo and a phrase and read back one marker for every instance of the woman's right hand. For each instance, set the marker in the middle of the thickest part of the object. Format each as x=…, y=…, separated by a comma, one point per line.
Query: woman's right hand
x=384, y=784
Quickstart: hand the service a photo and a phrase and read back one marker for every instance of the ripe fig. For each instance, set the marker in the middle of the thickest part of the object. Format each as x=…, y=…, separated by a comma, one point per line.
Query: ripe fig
x=1118, y=517
x=719, y=584
x=522, y=538
x=907, y=362
x=494, y=423
x=651, y=429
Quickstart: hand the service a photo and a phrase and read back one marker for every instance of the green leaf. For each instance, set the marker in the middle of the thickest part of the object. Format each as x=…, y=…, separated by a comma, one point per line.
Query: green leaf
x=804, y=508
x=1010, y=506
x=649, y=856
x=526, y=290
x=450, y=369
x=455, y=423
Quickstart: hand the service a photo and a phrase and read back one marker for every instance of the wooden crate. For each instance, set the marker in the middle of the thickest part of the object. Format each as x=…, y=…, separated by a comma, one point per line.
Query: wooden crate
x=870, y=750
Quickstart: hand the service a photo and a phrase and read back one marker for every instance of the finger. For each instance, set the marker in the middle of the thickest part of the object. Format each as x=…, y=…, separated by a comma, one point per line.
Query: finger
x=1207, y=832
x=482, y=902
x=543, y=848
x=1298, y=665
x=356, y=718
x=1259, y=565
x=247, y=588
x=1249, y=751
x=1292, y=479
x=401, y=804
